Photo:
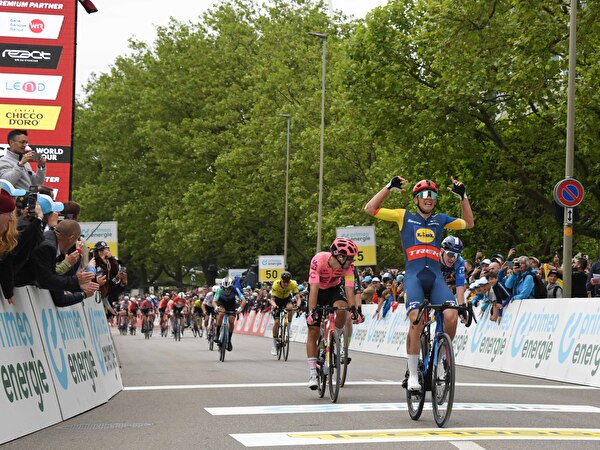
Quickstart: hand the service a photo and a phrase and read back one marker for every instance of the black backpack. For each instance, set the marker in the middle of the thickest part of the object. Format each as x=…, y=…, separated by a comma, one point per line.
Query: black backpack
x=539, y=289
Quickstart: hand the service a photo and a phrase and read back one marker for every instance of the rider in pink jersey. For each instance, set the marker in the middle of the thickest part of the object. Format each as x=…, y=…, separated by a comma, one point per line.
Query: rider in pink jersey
x=331, y=282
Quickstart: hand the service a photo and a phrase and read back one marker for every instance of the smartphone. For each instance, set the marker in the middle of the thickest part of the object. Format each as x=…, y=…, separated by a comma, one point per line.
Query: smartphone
x=32, y=198
x=36, y=156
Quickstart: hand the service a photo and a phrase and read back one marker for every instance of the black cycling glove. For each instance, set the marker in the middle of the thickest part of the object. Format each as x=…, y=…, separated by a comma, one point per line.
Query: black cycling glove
x=459, y=190
x=396, y=183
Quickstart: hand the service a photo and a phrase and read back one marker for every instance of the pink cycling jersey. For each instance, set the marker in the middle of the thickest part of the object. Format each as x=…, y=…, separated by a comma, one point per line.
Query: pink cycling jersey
x=326, y=276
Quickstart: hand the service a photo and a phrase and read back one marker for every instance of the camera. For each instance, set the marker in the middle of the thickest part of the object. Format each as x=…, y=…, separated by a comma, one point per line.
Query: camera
x=88, y=6
x=32, y=198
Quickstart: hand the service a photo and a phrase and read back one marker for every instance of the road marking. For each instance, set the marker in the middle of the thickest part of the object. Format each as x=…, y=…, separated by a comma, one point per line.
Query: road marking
x=420, y=435
x=366, y=407
x=353, y=383
x=467, y=445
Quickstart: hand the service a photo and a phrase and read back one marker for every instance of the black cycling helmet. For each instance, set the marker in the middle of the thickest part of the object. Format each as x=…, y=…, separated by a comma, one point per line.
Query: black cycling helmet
x=286, y=276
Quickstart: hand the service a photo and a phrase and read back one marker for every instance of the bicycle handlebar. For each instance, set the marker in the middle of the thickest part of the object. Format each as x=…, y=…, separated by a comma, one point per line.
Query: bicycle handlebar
x=467, y=307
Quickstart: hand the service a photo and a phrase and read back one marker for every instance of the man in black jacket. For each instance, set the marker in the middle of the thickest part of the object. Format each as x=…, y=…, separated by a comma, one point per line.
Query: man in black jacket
x=65, y=290
x=593, y=282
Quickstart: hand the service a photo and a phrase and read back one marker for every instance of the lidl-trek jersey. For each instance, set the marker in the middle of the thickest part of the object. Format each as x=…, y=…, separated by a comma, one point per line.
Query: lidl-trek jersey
x=421, y=241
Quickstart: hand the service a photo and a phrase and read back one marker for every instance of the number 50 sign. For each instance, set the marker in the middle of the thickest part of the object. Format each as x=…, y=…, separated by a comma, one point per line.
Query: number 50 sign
x=270, y=267
x=364, y=238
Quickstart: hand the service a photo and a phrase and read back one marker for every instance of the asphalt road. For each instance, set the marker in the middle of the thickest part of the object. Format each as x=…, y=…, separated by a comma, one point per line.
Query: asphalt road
x=178, y=395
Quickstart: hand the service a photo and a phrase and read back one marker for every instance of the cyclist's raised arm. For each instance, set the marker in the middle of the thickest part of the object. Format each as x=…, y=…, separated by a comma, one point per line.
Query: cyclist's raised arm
x=459, y=190
x=375, y=203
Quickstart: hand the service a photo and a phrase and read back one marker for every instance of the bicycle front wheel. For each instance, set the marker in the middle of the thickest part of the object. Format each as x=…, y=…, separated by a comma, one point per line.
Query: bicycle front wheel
x=280, y=341
x=286, y=341
x=322, y=365
x=443, y=380
x=344, y=368
x=224, y=341
x=334, y=362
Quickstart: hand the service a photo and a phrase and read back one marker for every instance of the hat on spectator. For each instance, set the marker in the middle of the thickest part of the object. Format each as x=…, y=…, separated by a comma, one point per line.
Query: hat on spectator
x=553, y=272
x=376, y=280
x=367, y=279
x=474, y=284
x=499, y=256
x=537, y=261
x=48, y=205
x=483, y=281
x=486, y=261
x=101, y=245
x=386, y=276
x=7, y=204
x=399, y=278
x=14, y=192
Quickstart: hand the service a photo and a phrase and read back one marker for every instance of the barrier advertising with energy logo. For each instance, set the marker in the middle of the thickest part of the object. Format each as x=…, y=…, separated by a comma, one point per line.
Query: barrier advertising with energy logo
x=37, y=73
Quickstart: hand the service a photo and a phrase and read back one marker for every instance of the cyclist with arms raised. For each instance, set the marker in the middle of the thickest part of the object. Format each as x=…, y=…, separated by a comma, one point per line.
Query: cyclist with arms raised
x=283, y=292
x=421, y=236
x=331, y=282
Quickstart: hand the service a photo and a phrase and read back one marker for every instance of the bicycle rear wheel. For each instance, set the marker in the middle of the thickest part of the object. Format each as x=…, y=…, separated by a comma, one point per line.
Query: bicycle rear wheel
x=286, y=341
x=224, y=341
x=334, y=363
x=322, y=376
x=280, y=340
x=344, y=341
x=443, y=380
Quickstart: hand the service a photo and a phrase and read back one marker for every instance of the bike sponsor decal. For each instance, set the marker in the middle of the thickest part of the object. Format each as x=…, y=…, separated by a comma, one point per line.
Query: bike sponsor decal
x=35, y=26
x=30, y=56
x=422, y=251
x=31, y=87
x=32, y=117
x=424, y=235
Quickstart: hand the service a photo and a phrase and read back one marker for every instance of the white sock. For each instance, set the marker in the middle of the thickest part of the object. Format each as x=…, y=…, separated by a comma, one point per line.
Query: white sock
x=413, y=365
x=312, y=367
x=275, y=342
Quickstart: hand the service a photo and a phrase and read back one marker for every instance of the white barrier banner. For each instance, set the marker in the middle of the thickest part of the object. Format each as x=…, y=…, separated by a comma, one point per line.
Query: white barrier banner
x=74, y=367
x=28, y=400
x=557, y=342
x=103, y=345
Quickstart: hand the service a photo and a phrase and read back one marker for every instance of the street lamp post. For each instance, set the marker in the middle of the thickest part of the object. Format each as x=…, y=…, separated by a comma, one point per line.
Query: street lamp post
x=287, y=177
x=323, y=38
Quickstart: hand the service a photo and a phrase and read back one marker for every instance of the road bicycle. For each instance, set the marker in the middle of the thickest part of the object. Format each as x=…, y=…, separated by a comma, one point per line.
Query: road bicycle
x=123, y=321
x=164, y=324
x=211, y=331
x=147, y=326
x=177, y=324
x=197, y=326
x=133, y=324
x=224, y=338
x=283, y=333
x=437, y=372
x=344, y=348
x=329, y=360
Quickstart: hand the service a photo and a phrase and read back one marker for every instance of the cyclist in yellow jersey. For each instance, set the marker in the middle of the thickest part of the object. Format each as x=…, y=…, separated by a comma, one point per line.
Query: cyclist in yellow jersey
x=282, y=293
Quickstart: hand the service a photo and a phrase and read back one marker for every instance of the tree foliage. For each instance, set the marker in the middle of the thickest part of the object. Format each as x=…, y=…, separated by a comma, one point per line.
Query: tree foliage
x=182, y=142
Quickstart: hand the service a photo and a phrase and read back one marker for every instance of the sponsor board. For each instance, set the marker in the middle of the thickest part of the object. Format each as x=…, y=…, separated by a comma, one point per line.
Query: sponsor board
x=33, y=26
x=33, y=87
x=27, y=396
x=101, y=231
x=74, y=365
x=270, y=267
x=364, y=238
x=29, y=56
x=31, y=117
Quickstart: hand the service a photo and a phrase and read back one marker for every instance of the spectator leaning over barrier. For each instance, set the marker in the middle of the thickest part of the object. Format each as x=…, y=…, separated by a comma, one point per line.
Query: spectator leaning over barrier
x=520, y=282
x=44, y=259
x=579, y=278
x=552, y=287
x=8, y=242
x=50, y=209
x=14, y=165
x=499, y=296
x=593, y=282
x=368, y=290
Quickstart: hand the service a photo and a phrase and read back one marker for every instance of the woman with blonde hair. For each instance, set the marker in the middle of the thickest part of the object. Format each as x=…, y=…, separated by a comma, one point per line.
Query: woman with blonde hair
x=8, y=241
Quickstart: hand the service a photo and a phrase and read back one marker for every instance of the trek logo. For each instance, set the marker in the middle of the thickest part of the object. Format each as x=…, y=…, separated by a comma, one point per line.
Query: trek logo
x=38, y=57
x=425, y=235
x=36, y=26
x=31, y=87
x=422, y=251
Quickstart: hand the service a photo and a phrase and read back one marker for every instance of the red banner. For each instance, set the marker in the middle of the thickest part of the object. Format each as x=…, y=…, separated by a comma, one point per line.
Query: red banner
x=37, y=67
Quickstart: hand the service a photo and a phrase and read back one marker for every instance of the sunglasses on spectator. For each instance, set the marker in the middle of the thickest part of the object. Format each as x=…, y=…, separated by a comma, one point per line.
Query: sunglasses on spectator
x=428, y=194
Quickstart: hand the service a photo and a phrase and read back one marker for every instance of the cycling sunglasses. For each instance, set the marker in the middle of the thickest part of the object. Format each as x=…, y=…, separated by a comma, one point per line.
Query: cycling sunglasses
x=452, y=254
x=428, y=194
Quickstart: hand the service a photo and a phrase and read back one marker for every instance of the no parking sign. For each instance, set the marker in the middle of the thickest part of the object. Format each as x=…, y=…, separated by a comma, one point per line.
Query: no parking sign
x=568, y=193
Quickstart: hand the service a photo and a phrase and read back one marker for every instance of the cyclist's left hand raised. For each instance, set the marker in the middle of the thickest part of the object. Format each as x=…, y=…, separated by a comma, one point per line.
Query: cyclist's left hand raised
x=458, y=189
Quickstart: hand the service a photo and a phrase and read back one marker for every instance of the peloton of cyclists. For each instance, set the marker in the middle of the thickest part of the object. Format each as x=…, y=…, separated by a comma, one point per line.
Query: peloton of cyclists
x=421, y=236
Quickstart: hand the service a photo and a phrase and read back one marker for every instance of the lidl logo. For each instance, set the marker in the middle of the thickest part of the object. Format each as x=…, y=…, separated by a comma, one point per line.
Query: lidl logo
x=425, y=235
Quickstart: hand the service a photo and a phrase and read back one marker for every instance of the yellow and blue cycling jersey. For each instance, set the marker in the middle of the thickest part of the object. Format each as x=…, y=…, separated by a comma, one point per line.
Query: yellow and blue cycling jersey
x=278, y=291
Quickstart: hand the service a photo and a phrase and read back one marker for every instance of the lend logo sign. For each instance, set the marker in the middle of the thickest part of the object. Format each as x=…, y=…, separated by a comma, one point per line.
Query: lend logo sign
x=30, y=117
x=425, y=235
x=36, y=26
x=31, y=87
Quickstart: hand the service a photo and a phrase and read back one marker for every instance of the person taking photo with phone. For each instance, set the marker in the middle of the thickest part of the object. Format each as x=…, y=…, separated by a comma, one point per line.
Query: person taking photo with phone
x=15, y=165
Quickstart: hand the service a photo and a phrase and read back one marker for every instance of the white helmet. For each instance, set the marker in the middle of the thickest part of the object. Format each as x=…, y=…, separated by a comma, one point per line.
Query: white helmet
x=227, y=283
x=215, y=288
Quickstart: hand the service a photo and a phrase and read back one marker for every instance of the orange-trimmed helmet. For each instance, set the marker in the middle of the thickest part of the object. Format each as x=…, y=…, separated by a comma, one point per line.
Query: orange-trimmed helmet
x=425, y=185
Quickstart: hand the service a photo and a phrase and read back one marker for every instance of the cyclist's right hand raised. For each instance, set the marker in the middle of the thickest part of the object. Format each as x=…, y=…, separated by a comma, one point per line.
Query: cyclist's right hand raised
x=312, y=316
x=396, y=184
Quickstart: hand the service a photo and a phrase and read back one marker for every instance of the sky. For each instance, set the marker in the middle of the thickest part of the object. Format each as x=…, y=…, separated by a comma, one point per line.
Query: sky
x=104, y=35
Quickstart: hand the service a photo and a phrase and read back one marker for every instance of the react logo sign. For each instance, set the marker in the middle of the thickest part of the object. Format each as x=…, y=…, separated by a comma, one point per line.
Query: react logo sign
x=425, y=235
